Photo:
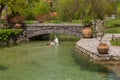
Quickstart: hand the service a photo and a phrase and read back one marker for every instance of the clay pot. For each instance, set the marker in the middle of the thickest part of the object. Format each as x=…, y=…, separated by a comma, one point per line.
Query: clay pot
x=17, y=19
x=53, y=14
x=18, y=26
x=43, y=17
x=87, y=32
x=103, y=48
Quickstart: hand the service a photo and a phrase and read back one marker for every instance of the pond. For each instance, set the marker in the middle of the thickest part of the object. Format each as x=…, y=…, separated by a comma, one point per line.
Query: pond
x=37, y=61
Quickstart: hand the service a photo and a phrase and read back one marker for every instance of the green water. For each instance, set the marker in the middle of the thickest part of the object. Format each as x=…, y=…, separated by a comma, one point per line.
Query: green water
x=37, y=61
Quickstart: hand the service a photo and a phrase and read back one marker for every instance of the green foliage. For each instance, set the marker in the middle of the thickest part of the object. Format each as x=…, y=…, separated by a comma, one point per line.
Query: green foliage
x=76, y=21
x=41, y=7
x=55, y=21
x=82, y=9
x=113, y=23
x=86, y=21
x=63, y=37
x=28, y=12
x=5, y=34
x=113, y=30
x=22, y=7
x=118, y=10
x=30, y=21
x=2, y=1
x=66, y=9
x=17, y=6
x=102, y=8
x=115, y=42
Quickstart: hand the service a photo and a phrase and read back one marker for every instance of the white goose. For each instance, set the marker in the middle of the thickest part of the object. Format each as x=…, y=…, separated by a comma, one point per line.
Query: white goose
x=54, y=42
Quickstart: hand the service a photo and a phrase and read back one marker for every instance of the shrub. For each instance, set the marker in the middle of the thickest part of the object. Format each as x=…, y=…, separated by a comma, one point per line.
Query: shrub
x=5, y=34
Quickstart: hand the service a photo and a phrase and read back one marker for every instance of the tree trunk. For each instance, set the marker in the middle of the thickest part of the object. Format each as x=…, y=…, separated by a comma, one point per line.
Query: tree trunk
x=1, y=8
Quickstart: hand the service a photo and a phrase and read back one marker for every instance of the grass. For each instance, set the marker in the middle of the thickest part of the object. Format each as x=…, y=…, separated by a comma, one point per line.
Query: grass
x=30, y=21
x=64, y=37
x=113, y=30
x=112, y=23
x=73, y=21
x=76, y=21
x=115, y=42
x=53, y=21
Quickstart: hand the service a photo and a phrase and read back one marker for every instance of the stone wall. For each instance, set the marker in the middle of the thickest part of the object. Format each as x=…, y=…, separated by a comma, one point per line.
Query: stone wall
x=39, y=29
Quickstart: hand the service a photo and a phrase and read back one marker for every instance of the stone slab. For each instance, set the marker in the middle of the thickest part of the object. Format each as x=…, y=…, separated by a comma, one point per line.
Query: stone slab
x=89, y=47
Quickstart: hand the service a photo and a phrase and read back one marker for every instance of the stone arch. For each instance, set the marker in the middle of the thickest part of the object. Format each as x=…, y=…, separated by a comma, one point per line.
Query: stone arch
x=41, y=32
x=70, y=29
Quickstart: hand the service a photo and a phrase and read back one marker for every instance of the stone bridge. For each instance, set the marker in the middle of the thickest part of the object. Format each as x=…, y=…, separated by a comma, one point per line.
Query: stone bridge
x=33, y=30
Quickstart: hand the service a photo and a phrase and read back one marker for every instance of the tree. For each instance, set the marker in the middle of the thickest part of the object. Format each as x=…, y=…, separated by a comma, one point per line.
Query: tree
x=42, y=7
x=42, y=10
x=18, y=7
x=101, y=8
x=28, y=12
x=2, y=6
x=15, y=6
x=115, y=6
x=66, y=9
x=81, y=9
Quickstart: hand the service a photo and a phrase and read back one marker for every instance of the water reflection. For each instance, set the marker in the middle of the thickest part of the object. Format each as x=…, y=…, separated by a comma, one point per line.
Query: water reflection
x=111, y=72
x=114, y=68
x=37, y=61
x=3, y=68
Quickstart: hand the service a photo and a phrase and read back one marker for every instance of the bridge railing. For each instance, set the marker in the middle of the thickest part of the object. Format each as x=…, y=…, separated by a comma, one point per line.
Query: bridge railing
x=55, y=25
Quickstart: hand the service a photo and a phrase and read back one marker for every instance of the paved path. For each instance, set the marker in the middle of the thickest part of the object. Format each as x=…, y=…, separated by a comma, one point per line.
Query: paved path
x=92, y=44
x=108, y=37
x=89, y=47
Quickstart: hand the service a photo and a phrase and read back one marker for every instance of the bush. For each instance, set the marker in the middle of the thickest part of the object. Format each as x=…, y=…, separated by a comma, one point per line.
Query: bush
x=112, y=23
x=5, y=34
x=41, y=11
x=115, y=42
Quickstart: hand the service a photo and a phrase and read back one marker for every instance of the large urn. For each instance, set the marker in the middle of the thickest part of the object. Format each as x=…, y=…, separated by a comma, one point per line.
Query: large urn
x=87, y=32
x=103, y=48
x=18, y=26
